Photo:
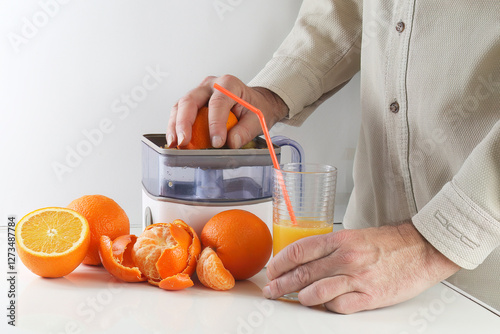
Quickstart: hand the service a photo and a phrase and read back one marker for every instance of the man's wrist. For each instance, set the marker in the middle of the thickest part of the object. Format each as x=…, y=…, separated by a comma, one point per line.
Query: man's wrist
x=277, y=109
x=438, y=265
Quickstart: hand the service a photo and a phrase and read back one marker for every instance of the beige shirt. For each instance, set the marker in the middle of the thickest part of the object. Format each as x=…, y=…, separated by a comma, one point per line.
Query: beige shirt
x=429, y=145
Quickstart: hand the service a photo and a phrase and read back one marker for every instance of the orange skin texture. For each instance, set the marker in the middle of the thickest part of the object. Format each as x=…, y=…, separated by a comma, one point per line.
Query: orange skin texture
x=51, y=266
x=211, y=271
x=241, y=240
x=173, y=260
x=176, y=282
x=172, y=266
x=200, y=136
x=116, y=257
x=105, y=217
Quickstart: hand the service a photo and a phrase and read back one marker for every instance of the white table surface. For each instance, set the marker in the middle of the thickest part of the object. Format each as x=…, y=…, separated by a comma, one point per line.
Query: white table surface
x=89, y=300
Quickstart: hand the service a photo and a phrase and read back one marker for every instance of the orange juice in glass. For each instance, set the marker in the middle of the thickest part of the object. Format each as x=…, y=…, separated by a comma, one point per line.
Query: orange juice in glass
x=311, y=189
x=284, y=232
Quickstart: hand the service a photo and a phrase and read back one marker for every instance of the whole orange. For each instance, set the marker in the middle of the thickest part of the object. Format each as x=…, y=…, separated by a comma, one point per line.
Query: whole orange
x=105, y=217
x=241, y=240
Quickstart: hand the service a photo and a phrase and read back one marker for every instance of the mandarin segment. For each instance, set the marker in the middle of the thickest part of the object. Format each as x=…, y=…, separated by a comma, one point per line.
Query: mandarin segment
x=211, y=271
x=149, y=247
x=116, y=258
x=52, y=242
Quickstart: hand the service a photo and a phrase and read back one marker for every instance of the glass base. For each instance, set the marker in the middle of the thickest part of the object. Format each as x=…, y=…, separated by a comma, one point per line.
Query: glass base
x=293, y=296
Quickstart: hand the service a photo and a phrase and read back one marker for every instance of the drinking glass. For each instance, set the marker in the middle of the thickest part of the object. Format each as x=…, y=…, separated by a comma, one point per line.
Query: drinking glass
x=311, y=190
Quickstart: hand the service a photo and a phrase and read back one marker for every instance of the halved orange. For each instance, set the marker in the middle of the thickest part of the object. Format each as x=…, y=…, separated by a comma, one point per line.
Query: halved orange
x=166, y=254
x=53, y=241
x=211, y=271
x=116, y=257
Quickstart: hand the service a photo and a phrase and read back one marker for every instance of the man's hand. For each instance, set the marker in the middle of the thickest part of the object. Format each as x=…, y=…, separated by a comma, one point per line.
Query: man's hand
x=354, y=270
x=184, y=112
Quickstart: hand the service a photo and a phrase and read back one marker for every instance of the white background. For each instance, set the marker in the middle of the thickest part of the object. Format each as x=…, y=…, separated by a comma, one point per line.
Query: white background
x=65, y=67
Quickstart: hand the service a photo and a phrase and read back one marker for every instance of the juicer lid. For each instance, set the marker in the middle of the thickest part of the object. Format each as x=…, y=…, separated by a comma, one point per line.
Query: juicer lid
x=157, y=141
x=212, y=158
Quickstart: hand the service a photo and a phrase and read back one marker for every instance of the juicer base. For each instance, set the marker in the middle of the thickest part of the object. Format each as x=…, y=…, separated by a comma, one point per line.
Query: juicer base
x=165, y=210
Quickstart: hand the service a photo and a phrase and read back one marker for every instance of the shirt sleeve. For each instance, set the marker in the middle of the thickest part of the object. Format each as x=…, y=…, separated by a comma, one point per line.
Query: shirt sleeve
x=319, y=56
x=463, y=220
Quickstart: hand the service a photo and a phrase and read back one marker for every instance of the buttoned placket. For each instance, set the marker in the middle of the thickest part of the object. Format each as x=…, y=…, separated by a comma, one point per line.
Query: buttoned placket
x=405, y=35
x=396, y=99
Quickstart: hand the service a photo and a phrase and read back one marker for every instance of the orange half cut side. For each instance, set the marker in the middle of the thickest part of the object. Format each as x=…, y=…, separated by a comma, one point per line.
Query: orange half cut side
x=52, y=242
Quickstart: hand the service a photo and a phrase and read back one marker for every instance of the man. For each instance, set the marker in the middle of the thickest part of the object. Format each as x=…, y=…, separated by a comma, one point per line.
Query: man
x=426, y=197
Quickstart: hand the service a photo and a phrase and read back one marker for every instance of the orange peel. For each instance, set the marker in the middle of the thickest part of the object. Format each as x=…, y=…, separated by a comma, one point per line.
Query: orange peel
x=116, y=257
x=212, y=273
x=173, y=260
x=166, y=254
x=176, y=282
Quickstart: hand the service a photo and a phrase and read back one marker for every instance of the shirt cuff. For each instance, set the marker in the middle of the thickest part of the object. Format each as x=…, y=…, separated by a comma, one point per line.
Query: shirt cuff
x=457, y=227
x=293, y=81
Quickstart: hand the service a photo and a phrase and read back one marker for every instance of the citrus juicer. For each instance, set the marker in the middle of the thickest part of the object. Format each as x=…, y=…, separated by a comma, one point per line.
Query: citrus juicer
x=195, y=185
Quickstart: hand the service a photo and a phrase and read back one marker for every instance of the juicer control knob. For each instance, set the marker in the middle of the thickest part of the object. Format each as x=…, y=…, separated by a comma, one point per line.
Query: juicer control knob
x=148, y=217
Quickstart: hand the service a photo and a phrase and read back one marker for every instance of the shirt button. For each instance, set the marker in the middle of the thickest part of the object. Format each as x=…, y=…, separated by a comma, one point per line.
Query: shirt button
x=394, y=107
x=400, y=26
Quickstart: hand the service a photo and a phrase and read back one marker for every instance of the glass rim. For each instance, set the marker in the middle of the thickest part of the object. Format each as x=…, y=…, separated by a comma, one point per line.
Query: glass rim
x=321, y=168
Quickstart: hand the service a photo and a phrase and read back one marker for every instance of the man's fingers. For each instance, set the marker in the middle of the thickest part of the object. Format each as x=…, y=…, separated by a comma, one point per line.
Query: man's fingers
x=300, y=252
x=219, y=106
x=350, y=302
x=301, y=277
x=184, y=113
x=244, y=131
x=325, y=289
x=171, y=134
x=187, y=110
x=338, y=295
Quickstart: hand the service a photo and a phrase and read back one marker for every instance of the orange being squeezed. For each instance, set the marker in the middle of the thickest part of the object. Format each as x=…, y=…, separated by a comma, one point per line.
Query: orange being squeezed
x=285, y=232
